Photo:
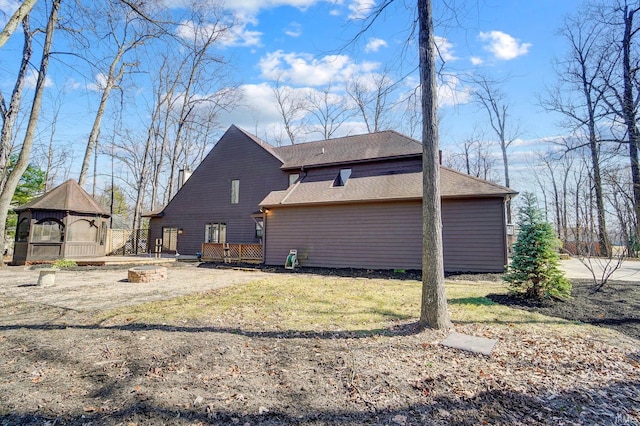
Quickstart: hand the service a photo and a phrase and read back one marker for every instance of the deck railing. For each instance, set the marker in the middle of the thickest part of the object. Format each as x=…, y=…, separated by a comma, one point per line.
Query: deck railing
x=227, y=252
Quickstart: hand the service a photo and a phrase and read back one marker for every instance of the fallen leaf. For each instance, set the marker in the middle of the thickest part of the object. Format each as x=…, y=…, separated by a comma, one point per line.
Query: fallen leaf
x=400, y=420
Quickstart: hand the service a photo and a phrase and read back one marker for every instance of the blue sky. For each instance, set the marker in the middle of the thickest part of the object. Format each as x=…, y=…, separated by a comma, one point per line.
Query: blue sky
x=308, y=44
x=502, y=38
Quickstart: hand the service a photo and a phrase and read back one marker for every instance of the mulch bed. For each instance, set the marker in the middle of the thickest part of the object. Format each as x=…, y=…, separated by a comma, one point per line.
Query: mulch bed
x=616, y=306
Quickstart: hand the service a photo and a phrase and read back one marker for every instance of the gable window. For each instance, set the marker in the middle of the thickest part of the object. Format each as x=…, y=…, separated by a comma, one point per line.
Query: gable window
x=235, y=191
x=293, y=178
x=215, y=233
x=342, y=177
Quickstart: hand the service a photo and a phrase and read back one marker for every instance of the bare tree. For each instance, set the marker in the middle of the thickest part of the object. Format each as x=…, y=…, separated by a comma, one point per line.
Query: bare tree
x=412, y=117
x=18, y=16
x=474, y=157
x=622, y=85
x=433, y=308
x=292, y=107
x=159, y=126
x=330, y=111
x=488, y=94
x=199, y=78
x=133, y=155
x=621, y=198
x=11, y=111
x=433, y=311
x=128, y=31
x=51, y=156
x=579, y=98
x=371, y=94
x=13, y=177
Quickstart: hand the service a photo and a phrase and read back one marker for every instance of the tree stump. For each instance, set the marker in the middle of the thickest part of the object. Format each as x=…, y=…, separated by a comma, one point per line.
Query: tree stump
x=47, y=277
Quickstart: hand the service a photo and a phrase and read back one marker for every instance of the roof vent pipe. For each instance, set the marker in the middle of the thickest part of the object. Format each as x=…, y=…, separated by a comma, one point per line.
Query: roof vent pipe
x=322, y=150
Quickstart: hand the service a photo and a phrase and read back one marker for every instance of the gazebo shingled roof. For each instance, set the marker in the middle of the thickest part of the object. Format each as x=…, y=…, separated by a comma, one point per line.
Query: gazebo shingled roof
x=68, y=196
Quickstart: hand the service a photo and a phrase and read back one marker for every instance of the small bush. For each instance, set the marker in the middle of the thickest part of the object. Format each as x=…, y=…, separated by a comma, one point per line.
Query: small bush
x=534, y=272
x=64, y=263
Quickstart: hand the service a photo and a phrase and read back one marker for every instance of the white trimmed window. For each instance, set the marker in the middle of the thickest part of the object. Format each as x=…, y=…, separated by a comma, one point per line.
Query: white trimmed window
x=259, y=228
x=235, y=191
x=215, y=233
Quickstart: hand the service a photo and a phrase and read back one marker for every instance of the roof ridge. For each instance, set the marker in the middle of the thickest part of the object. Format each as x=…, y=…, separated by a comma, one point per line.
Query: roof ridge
x=359, y=135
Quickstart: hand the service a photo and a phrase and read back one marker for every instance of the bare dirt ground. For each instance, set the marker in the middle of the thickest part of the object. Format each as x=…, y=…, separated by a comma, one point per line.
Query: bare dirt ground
x=59, y=366
x=106, y=287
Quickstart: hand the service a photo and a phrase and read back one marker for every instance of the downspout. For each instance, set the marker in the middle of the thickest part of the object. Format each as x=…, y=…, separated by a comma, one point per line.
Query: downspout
x=303, y=174
x=508, y=239
x=264, y=236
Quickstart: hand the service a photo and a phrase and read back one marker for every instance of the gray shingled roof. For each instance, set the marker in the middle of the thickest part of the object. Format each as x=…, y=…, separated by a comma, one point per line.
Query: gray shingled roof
x=349, y=149
x=68, y=196
x=404, y=186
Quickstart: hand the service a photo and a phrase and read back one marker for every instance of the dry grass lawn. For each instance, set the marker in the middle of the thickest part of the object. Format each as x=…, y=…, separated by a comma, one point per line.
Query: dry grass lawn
x=306, y=349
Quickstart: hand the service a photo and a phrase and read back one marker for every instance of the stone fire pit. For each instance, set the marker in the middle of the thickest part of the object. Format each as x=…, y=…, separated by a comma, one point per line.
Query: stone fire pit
x=147, y=274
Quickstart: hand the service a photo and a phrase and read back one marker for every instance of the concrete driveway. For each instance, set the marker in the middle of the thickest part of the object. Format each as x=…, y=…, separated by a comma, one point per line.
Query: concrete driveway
x=628, y=271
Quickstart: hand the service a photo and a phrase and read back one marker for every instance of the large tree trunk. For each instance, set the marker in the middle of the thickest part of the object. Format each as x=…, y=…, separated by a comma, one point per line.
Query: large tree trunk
x=433, y=312
x=629, y=113
x=18, y=16
x=23, y=158
x=10, y=112
x=112, y=79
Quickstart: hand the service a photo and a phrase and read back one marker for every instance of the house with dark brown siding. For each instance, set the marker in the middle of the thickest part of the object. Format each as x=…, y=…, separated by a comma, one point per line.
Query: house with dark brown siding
x=351, y=202
x=219, y=202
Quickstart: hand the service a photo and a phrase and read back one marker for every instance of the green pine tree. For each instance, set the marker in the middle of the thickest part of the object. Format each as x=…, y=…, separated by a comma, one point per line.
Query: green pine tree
x=534, y=272
x=30, y=186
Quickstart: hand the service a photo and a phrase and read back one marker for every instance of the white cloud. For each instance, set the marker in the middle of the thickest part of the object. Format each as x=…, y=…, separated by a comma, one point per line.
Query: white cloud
x=257, y=106
x=294, y=29
x=233, y=35
x=7, y=7
x=254, y=6
x=305, y=69
x=503, y=46
x=445, y=49
x=360, y=9
x=258, y=114
x=31, y=79
x=374, y=44
x=241, y=36
x=452, y=92
x=72, y=84
x=475, y=60
x=99, y=84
